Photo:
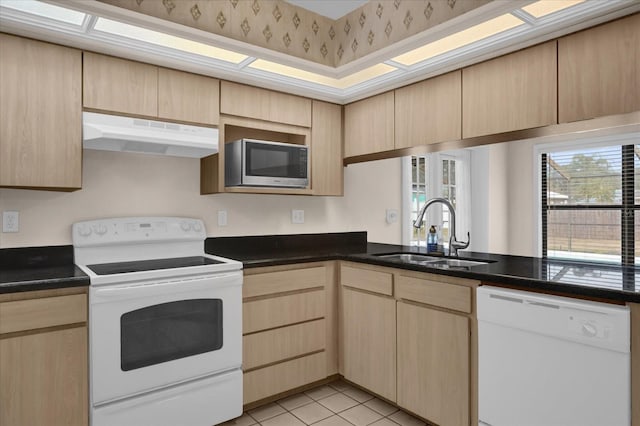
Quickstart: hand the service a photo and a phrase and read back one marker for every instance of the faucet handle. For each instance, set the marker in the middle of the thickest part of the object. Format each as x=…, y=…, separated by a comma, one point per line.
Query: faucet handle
x=461, y=245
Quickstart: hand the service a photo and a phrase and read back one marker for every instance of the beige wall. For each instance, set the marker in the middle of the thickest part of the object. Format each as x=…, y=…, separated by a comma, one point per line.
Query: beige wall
x=508, y=214
x=521, y=193
x=118, y=184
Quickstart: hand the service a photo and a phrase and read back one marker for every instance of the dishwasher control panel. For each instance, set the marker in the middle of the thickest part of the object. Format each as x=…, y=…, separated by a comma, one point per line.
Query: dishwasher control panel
x=582, y=321
x=589, y=327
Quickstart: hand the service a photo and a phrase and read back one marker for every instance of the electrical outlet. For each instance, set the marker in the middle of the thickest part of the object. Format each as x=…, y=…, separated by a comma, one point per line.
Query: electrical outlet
x=222, y=218
x=392, y=216
x=297, y=216
x=10, y=221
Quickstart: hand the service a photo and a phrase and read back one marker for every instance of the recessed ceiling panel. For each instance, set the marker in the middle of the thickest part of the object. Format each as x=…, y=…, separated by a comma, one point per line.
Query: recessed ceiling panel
x=334, y=9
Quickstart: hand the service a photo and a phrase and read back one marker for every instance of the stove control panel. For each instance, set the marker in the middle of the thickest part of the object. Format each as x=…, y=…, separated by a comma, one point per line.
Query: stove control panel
x=135, y=230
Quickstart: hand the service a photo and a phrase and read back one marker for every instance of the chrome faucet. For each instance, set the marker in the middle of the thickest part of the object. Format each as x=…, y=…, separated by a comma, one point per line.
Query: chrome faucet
x=454, y=244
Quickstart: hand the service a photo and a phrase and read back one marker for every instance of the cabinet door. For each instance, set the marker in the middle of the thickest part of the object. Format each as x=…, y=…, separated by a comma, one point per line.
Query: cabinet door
x=326, y=149
x=188, y=97
x=120, y=86
x=43, y=379
x=599, y=71
x=369, y=341
x=514, y=92
x=246, y=101
x=369, y=125
x=433, y=364
x=429, y=112
x=41, y=114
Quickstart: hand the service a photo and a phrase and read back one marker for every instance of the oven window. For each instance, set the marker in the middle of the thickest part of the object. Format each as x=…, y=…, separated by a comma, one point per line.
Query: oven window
x=169, y=331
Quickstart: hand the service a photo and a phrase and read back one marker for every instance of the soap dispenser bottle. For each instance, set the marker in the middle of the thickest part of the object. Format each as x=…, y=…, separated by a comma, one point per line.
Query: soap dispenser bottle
x=432, y=240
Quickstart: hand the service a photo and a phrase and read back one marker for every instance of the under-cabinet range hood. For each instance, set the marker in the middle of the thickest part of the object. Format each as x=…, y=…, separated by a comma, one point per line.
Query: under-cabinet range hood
x=126, y=134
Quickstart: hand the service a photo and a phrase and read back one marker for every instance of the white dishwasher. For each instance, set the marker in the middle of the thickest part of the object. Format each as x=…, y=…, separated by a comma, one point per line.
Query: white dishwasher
x=552, y=361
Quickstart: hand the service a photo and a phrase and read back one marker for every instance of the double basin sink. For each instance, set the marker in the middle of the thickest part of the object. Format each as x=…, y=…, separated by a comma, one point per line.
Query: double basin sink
x=433, y=261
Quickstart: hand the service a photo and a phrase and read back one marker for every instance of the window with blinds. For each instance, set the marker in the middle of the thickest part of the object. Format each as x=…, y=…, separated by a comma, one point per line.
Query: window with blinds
x=589, y=199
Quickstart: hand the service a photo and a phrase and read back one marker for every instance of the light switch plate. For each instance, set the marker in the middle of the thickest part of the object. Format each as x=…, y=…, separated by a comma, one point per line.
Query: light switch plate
x=297, y=216
x=222, y=218
x=392, y=215
x=10, y=221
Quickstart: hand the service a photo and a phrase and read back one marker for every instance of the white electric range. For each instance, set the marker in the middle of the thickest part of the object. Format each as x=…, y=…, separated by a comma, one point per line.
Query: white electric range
x=165, y=323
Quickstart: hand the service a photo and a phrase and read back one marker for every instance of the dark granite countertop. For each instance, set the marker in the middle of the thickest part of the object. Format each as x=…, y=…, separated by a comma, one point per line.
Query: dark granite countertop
x=39, y=268
x=593, y=280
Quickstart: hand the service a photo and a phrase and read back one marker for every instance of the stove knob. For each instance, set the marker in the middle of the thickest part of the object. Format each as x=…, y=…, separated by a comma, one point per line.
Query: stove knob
x=184, y=225
x=100, y=229
x=84, y=231
x=197, y=227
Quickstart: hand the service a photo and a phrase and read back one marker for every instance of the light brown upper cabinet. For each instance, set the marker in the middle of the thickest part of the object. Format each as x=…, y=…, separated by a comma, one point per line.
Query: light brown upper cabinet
x=133, y=88
x=513, y=92
x=252, y=102
x=41, y=115
x=599, y=71
x=429, y=112
x=369, y=125
x=119, y=85
x=326, y=149
x=188, y=97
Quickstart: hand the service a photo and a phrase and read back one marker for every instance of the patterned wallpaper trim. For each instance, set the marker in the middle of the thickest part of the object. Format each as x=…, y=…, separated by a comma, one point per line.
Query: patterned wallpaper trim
x=289, y=29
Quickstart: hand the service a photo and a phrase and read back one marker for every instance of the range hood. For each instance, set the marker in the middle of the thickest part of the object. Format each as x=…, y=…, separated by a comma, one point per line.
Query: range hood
x=126, y=134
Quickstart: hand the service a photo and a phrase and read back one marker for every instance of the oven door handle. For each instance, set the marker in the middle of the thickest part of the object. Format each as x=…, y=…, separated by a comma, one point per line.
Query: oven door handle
x=184, y=285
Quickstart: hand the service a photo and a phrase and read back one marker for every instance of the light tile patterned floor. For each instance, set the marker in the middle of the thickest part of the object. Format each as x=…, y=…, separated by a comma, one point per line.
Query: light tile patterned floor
x=335, y=404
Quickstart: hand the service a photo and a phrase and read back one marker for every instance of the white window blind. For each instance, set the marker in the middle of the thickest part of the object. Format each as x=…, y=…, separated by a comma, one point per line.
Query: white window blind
x=589, y=198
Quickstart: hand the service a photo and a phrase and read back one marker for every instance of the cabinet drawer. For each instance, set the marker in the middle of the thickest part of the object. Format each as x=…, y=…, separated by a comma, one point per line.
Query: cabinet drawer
x=282, y=343
x=268, y=381
x=445, y=295
x=279, y=282
x=365, y=279
x=279, y=311
x=247, y=101
x=23, y=315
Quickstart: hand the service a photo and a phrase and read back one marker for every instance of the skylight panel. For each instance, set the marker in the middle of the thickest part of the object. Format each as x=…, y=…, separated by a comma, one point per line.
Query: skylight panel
x=166, y=40
x=459, y=39
x=45, y=10
x=547, y=7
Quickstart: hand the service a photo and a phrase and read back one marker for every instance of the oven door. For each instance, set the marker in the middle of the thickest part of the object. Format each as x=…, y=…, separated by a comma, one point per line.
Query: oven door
x=148, y=335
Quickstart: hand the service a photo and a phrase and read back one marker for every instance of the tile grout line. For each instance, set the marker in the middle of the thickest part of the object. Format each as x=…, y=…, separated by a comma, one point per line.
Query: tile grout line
x=333, y=414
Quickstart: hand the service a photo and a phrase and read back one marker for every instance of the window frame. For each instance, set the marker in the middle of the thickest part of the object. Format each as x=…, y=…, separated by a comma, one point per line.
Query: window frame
x=433, y=176
x=627, y=219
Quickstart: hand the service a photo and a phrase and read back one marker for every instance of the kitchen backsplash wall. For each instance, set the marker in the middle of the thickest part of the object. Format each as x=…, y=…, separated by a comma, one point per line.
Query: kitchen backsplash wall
x=119, y=184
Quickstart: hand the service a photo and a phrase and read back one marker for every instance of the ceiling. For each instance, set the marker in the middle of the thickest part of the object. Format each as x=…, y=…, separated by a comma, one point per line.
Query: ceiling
x=492, y=29
x=334, y=9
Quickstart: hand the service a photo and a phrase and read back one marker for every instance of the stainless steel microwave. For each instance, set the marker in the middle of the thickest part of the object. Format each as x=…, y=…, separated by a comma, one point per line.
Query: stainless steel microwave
x=253, y=162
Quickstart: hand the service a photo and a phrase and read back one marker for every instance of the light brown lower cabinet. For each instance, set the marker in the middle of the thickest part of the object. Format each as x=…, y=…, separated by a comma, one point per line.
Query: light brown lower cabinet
x=369, y=341
x=289, y=328
x=433, y=364
x=44, y=371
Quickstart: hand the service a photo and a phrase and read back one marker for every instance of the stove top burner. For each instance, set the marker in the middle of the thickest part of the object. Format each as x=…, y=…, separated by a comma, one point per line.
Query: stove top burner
x=151, y=265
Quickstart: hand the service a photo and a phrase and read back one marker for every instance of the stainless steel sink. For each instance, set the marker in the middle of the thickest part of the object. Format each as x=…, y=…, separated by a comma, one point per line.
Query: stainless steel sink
x=456, y=263
x=410, y=257
x=433, y=261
